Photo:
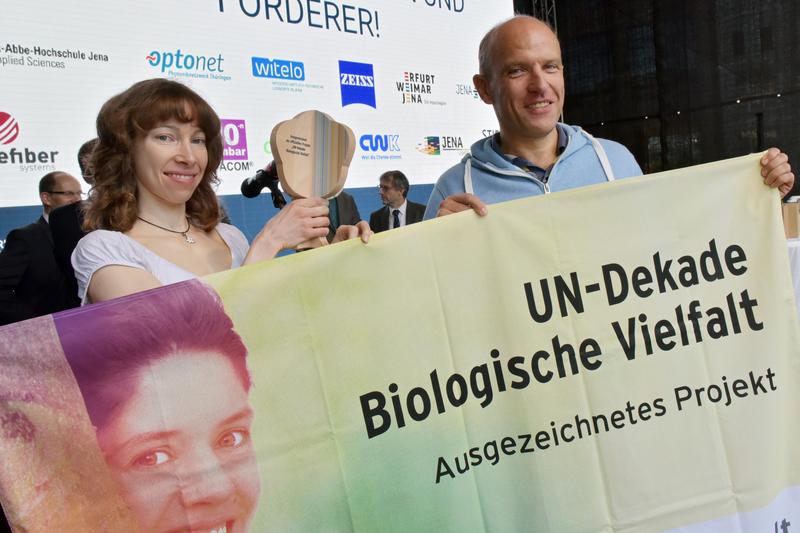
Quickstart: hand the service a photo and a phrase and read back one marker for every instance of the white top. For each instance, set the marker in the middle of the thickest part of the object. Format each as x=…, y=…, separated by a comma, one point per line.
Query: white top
x=102, y=248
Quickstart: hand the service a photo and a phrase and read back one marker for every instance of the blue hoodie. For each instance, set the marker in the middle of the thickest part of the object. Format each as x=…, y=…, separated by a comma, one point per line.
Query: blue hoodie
x=495, y=179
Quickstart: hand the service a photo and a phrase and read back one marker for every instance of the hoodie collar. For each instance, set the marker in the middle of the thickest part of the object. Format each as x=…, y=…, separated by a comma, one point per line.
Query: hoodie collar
x=529, y=166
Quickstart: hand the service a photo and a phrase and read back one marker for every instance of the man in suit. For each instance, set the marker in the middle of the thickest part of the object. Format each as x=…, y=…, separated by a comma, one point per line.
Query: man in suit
x=397, y=211
x=66, y=226
x=31, y=283
x=343, y=212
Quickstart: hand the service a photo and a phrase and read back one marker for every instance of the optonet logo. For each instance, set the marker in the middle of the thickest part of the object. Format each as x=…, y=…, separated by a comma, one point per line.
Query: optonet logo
x=179, y=63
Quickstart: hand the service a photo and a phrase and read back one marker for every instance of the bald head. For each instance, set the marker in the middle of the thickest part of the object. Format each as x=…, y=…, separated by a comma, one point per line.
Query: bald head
x=522, y=78
x=57, y=189
x=501, y=34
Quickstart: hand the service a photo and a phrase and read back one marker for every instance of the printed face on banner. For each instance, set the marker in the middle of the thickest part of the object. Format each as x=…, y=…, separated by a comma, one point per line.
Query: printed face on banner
x=165, y=385
x=170, y=161
x=180, y=449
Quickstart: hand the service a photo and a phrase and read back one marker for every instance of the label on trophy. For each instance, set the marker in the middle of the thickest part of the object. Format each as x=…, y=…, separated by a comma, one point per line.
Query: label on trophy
x=312, y=154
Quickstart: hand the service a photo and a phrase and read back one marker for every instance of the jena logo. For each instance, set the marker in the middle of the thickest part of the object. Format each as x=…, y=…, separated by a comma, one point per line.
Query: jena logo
x=180, y=64
x=357, y=83
x=417, y=88
x=429, y=146
x=27, y=159
x=381, y=147
x=435, y=145
x=234, y=140
x=467, y=89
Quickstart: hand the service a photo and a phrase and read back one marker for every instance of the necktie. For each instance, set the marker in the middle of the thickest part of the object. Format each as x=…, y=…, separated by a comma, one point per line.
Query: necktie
x=396, y=214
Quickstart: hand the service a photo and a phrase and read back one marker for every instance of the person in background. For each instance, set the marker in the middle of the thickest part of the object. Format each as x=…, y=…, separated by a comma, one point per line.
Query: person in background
x=66, y=225
x=343, y=212
x=31, y=283
x=397, y=210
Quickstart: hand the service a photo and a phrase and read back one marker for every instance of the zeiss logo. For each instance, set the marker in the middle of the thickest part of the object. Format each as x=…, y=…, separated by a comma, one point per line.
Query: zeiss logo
x=280, y=69
x=182, y=61
x=357, y=82
x=379, y=143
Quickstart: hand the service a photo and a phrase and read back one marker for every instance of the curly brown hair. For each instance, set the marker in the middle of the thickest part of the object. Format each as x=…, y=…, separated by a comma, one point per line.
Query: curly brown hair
x=124, y=120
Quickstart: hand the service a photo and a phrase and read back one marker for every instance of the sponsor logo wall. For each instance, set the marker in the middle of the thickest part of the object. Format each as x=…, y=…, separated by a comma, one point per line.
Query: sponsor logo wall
x=23, y=159
x=394, y=72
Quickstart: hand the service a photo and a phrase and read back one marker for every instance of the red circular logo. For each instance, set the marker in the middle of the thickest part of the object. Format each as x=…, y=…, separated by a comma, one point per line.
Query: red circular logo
x=9, y=128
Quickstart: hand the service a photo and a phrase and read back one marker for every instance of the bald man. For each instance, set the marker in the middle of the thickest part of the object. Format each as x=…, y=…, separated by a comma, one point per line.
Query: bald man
x=522, y=78
x=30, y=281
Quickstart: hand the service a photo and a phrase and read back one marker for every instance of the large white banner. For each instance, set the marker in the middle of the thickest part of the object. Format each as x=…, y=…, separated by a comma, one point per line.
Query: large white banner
x=397, y=72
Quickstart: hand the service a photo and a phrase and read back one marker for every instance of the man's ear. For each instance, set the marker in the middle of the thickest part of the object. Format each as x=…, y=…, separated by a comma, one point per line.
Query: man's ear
x=45, y=198
x=482, y=86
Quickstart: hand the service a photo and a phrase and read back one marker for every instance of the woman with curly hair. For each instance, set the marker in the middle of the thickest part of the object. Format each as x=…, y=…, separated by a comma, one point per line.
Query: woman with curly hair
x=153, y=215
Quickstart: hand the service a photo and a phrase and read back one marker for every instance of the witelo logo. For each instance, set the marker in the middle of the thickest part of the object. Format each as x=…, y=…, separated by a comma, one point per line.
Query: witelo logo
x=9, y=128
x=357, y=83
x=280, y=69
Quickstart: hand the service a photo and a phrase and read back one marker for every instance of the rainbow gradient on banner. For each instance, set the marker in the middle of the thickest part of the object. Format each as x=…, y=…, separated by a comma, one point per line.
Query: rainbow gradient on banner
x=622, y=357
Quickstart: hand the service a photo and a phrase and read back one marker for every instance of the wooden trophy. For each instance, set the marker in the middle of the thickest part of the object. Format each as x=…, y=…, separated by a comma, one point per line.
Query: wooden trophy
x=312, y=156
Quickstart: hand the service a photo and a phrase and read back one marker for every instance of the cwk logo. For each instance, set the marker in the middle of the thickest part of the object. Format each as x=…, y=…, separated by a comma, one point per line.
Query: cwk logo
x=9, y=128
x=379, y=143
x=357, y=83
x=380, y=147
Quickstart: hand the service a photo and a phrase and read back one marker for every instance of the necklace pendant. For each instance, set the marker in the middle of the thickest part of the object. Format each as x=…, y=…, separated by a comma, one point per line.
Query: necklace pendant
x=189, y=240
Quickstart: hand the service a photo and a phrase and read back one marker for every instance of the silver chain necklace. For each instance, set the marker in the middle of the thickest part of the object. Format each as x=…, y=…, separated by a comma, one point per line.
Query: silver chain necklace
x=185, y=233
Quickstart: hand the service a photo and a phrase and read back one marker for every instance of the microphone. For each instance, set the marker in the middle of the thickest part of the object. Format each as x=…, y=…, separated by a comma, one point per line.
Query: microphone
x=264, y=178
